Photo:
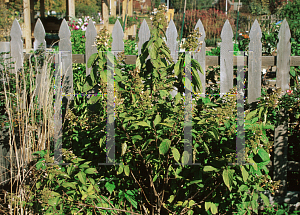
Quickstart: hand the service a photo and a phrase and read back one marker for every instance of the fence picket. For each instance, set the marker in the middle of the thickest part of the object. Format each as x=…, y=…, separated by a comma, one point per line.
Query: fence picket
x=90, y=47
x=281, y=131
x=200, y=56
x=226, y=59
x=40, y=44
x=254, y=63
x=16, y=45
x=144, y=35
x=172, y=44
x=65, y=47
x=117, y=35
x=283, y=57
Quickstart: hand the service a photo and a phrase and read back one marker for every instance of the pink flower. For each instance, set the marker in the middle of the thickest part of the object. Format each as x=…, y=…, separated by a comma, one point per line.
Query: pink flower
x=76, y=27
x=289, y=92
x=82, y=36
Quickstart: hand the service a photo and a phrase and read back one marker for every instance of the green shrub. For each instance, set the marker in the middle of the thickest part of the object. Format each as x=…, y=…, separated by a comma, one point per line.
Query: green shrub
x=153, y=176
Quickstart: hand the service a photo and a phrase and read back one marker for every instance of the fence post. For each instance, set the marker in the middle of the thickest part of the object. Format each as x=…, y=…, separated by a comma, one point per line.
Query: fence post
x=254, y=63
x=281, y=131
x=40, y=44
x=200, y=56
x=226, y=59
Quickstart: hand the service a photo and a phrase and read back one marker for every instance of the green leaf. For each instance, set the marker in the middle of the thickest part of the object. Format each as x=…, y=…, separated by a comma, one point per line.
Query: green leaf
x=91, y=60
x=110, y=186
x=207, y=205
x=157, y=119
x=103, y=76
x=265, y=199
x=124, y=148
x=144, y=124
x=227, y=124
x=214, y=132
x=126, y=170
x=39, y=165
x=68, y=184
x=251, y=114
x=178, y=67
x=260, y=111
x=213, y=208
x=263, y=154
x=170, y=200
x=164, y=146
x=167, y=54
x=206, y=148
x=120, y=169
x=244, y=173
x=91, y=171
x=94, y=99
x=177, y=98
x=177, y=172
x=131, y=200
x=196, y=79
x=38, y=185
x=53, y=201
x=166, y=124
x=243, y=188
x=228, y=178
x=153, y=53
x=185, y=158
x=210, y=169
x=82, y=177
x=84, y=165
x=176, y=154
x=155, y=177
x=138, y=63
x=292, y=72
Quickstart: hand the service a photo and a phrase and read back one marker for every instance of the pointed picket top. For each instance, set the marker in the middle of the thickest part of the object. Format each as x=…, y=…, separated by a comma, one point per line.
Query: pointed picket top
x=172, y=43
x=144, y=35
x=284, y=31
x=201, y=28
x=64, y=30
x=16, y=31
x=39, y=35
x=200, y=56
x=64, y=36
x=283, y=57
x=254, y=63
x=227, y=33
x=90, y=46
x=16, y=45
x=117, y=35
x=255, y=32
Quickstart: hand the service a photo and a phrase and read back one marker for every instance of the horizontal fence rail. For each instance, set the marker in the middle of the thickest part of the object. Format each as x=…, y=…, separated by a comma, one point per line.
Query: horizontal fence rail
x=266, y=61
